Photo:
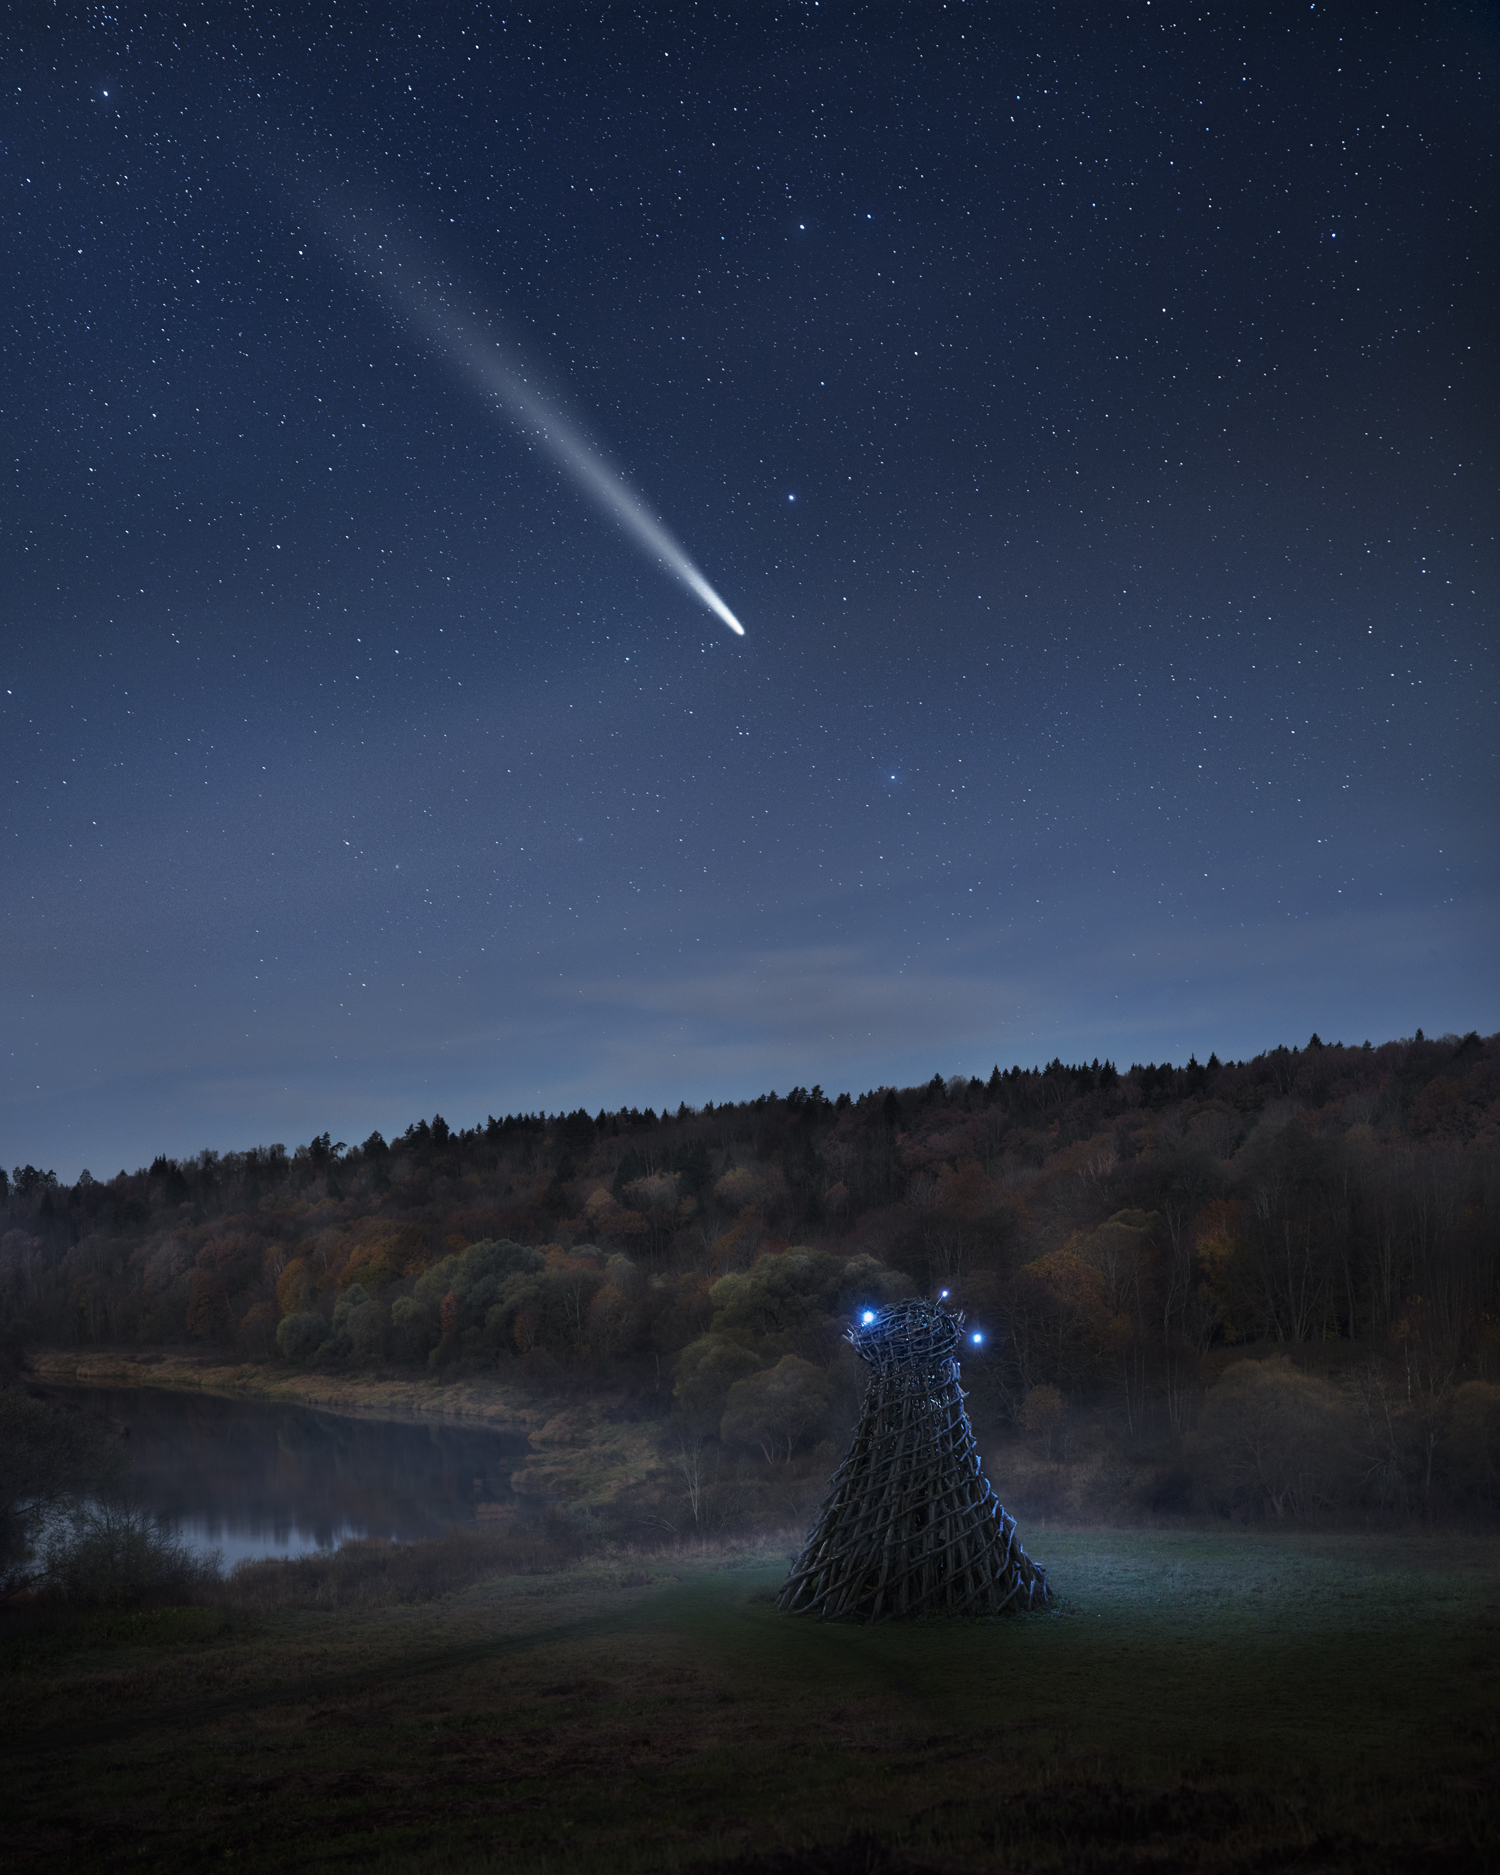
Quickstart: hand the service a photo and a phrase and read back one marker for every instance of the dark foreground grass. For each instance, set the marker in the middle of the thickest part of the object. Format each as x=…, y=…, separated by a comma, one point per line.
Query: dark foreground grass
x=1201, y=1702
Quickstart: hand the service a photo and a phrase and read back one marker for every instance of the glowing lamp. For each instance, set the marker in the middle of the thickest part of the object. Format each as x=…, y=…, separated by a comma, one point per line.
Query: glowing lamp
x=868, y=1316
x=977, y=1339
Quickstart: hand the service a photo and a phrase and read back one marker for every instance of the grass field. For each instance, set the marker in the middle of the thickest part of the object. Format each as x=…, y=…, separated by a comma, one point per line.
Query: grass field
x=1214, y=1701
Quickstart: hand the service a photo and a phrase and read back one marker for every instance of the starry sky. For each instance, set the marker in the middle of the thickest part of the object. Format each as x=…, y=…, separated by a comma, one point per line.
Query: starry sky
x=1088, y=412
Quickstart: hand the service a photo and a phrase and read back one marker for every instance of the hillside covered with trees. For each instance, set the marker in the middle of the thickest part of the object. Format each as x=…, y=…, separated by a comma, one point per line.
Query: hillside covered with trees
x=1124, y=1240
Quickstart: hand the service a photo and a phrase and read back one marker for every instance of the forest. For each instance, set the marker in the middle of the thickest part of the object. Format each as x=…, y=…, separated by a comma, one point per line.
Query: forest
x=1262, y=1289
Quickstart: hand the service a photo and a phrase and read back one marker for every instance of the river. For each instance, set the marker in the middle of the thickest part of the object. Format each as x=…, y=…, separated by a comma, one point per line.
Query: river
x=258, y=1478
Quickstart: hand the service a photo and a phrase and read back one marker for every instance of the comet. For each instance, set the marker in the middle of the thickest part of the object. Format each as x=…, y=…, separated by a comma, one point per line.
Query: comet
x=505, y=382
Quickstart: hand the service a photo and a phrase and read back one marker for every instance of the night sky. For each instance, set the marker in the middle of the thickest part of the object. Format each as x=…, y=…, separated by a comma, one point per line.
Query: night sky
x=1088, y=412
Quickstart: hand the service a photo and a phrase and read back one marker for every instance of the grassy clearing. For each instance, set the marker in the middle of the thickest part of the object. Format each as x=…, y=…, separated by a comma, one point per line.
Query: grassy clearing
x=1202, y=1701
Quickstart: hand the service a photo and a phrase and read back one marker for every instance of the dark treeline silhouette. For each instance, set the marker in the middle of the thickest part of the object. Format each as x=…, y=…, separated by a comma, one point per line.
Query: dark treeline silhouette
x=1274, y=1279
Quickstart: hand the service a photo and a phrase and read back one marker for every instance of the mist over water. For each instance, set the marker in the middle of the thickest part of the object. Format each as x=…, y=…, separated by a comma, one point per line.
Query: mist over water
x=252, y=1478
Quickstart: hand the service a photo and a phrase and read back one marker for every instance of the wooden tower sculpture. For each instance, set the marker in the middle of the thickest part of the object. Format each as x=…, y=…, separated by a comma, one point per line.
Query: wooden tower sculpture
x=910, y=1525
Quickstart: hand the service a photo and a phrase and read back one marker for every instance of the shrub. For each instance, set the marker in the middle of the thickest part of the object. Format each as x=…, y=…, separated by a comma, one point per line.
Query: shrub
x=369, y=1330
x=1471, y=1445
x=778, y=1408
x=353, y=1298
x=49, y=1456
x=115, y=1555
x=300, y=1335
x=1272, y=1438
x=706, y=1371
x=415, y=1328
x=361, y=1328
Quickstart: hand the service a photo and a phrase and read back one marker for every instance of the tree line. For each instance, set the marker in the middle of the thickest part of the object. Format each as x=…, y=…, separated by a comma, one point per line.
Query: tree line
x=1125, y=1239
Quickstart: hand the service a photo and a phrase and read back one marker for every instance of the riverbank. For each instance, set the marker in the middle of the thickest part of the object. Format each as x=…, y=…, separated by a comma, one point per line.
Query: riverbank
x=383, y=1394
x=590, y=1451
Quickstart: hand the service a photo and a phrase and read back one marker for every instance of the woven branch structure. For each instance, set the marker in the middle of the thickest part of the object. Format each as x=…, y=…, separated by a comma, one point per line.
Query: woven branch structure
x=910, y=1525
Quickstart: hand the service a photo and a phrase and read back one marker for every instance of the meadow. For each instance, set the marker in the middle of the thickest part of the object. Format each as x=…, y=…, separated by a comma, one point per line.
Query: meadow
x=1205, y=1699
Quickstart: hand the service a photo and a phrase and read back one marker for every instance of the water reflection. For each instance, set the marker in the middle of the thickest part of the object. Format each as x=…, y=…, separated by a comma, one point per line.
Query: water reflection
x=253, y=1478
